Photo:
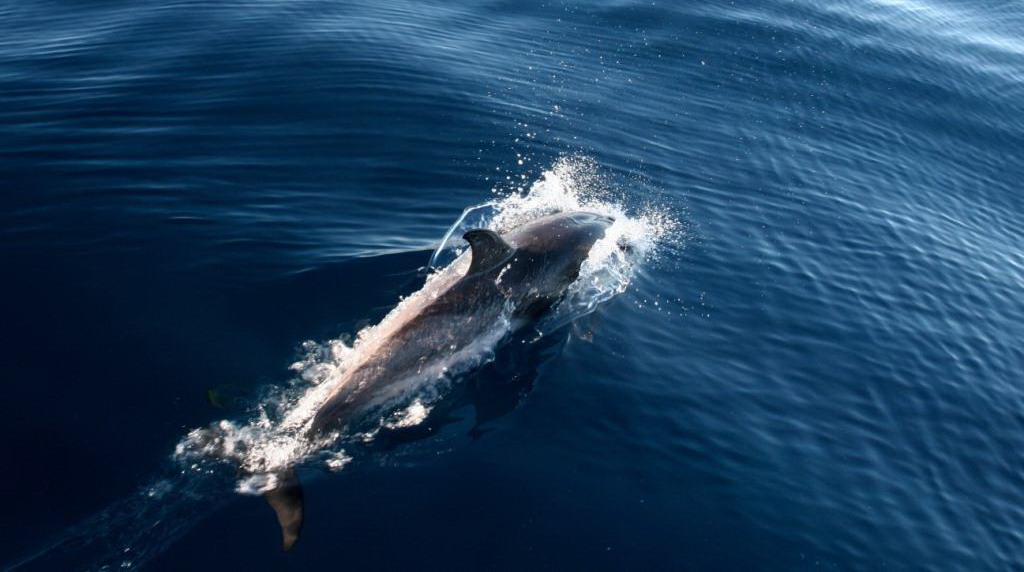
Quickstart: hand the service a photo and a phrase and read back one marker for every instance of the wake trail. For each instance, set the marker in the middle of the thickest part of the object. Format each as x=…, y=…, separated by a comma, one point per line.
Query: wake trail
x=274, y=437
x=132, y=531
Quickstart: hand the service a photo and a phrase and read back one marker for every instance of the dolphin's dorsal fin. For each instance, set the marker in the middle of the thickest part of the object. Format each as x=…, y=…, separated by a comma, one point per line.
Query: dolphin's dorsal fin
x=489, y=249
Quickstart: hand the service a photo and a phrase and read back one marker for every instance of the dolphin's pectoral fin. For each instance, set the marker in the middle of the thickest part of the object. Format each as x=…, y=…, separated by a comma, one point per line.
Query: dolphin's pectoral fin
x=586, y=327
x=489, y=249
x=286, y=500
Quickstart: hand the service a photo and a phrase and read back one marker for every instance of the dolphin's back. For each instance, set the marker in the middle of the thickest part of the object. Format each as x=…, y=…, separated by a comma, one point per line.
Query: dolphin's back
x=457, y=318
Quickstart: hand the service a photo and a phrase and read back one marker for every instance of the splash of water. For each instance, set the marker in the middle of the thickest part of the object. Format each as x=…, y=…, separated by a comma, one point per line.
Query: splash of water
x=276, y=438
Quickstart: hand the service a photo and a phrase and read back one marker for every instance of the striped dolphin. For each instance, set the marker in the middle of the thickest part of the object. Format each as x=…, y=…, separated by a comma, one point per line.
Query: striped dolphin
x=512, y=279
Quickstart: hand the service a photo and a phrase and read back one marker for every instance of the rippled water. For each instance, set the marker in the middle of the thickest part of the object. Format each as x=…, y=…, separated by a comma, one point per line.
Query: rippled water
x=820, y=371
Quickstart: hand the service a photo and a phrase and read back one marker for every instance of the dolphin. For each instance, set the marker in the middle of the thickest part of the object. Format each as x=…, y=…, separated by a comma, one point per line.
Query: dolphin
x=511, y=280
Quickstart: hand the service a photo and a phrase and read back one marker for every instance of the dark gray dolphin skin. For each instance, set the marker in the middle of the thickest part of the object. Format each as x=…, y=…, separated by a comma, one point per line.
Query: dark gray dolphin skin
x=518, y=274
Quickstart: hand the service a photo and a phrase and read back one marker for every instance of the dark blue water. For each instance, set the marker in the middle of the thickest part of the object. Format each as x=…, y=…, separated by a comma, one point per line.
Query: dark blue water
x=821, y=371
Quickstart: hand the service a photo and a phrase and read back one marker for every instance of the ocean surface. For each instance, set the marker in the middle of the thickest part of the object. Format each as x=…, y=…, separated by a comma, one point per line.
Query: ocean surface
x=810, y=361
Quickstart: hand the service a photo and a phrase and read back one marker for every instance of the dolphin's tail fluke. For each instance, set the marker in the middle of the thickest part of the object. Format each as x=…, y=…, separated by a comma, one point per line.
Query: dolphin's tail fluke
x=286, y=500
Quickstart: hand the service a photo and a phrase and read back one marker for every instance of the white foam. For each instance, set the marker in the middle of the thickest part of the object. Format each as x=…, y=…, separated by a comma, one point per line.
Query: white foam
x=275, y=438
x=338, y=460
x=409, y=417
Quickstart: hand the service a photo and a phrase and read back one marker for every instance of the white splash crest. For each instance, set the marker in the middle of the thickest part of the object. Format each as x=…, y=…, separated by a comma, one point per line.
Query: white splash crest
x=409, y=417
x=275, y=438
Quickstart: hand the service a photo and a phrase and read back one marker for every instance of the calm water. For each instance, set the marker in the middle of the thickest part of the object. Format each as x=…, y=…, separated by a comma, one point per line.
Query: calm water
x=821, y=371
